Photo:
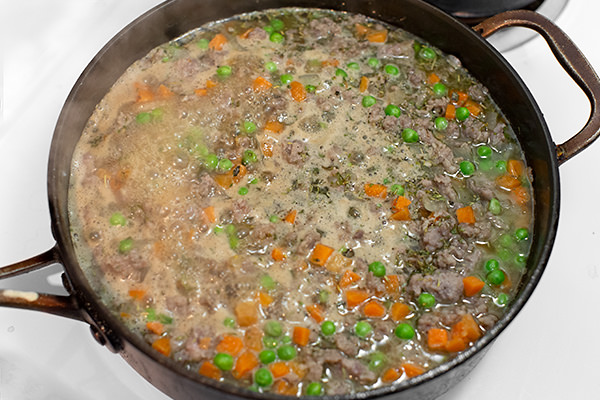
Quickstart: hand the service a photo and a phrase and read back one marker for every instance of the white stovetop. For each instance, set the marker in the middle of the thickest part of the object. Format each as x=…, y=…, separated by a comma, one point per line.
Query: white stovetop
x=549, y=352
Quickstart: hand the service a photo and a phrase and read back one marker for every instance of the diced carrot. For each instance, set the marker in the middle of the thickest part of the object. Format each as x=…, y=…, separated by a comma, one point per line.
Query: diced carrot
x=274, y=126
x=284, y=387
x=299, y=369
x=264, y=299
x=301, y=335
x=164, y=91
x=473, y=107
x=520, y=195
x=364, y=84
x=201, y=92
x=277, y=254
x=320, y=254
x=399, y=311
x=279, y=369
x=515, y=168
x=224, y=180
x=204, y=342
x=297, y=91
x=403, y=214
x=267, y=149
x=330, y=63
x=508, y=182
x=455, y=344
x=245, y=363
x=361, y=29
x=400, y=202
x=209, y=212
x=137, y=294
x=230, y=344
x=355, y=297
x=437, y=338
x=391, y=375
x=461, y=97
x=377, y=36
x=246, y=313
x=119, y=179
x=467, y=329
x=450, y=111
x=210, y=370
x=144, y=93
x=217, y=42
x=316, y=312
x=337, y=262
x=375, y=190
x=210, y=84
x=261, y=84
x=348, y=278
x=412, y=370
x=373, y=309
x=162, y=345
x=253, y=338
x=432, y=78
x=238, y=172
x=392, y=283
x=472, y=285
x=291, y=217
x=465, y=215
x=155, y=327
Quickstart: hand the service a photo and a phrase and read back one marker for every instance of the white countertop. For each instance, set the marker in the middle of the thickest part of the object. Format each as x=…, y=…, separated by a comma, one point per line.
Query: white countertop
x=550, y=351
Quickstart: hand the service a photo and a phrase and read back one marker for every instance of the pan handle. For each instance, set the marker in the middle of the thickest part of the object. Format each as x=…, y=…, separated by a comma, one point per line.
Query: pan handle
x=569, y=57
x=64, y=306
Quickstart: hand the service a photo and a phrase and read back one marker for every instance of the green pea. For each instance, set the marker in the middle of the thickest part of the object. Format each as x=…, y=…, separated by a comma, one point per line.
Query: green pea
x=286, y=78
x=494, y=206
x=426, y=300
x=491, y=265
x=440, y=123
x=427, y=54
x=521, y=234
x=373, y=62
x=150, y=314
x=211, y=161
x=377, y=361
x=328, y=328
x=269, y=29
x=502, y=299
x=276, y=37
x=270, y=342
x=314, y=389
x=118, y=219
x=439, y=89
x=230, y=229
x=223, y=361
x=496, y=277
x=341, y=73
x=368, y=101
x=229, y=322
x=392, y=110
x=353, y=65
x=126, y=245
x=484, y=151
x=249, y=157
x=243, y=191
x=391, y=69
x=267, y=283
x=202, y=44
x=273, y=328
x=501, y=166
x=286, y=352
x=521, y=260
x=467, y=168
x=233, y=242
x=486, y=164
x=462, y=113
x=224, y=165
x=363, y=329
x=277, y=24
x=271, y=66
x=377, y=268
x=143, y=118
x=274, y=218
x=267, y=356
x=286, y=339
x=410, y=135
x=249, y=127
x=404, y=331
x=217, y=229
x=310, y=88
x=263, y=377
x=224, y=71
x=397, y=190
x=323, y=296
x=506, y=241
